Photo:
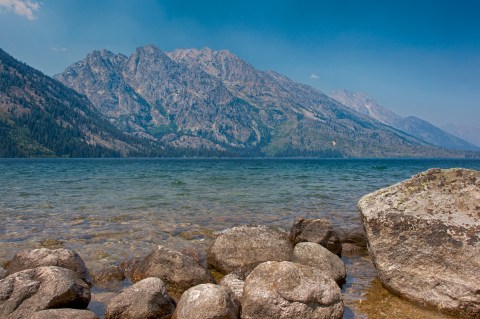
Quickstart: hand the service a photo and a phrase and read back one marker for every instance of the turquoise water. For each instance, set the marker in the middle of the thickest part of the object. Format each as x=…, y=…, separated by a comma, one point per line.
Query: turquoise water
x=75, y=199
x=113, y=209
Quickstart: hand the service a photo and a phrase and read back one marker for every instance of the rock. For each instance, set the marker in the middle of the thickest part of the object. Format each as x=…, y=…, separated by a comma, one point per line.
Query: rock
x=207, y=301
x=2, y=273
x=352, y=250
x=64, y=258
x=240, y=249
x=147, y=299
x=128, y=267
x=174, y=268
x=318, y=231
x=424, y=239
x=352, y=236
x=315, y=255
x=26, y=292
x=64, y=314
x=286, y=290
x=108, y=274
x=235, y=284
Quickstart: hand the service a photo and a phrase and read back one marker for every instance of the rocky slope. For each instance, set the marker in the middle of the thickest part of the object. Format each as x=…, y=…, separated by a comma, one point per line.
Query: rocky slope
x=205, y=99
x=415, y=126
x=41, y=117
x=469, y=133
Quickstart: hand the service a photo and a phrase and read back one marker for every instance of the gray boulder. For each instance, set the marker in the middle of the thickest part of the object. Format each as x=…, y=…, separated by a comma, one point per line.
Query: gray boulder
x=26, y=292
x=207, y=301
x=173, y=267
x=61, y=257
x=318, y=231
x=424, y=239
x=315, y=255
x=235, y=284
x=286, y=290
x=64, y=314
x=147, y=299
x=240, y=249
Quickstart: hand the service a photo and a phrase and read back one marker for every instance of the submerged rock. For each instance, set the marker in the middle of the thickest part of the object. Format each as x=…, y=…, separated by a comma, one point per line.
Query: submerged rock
x=207, y=301
x=286, y=290
x=424, y=239
x=128, y=267
x=315, y=255
x=173, y=267
x=108, y=274
x=318, y=231
x=64, y=258
x=64, y=314
x=26, y=292
x=147, y=299
x=240, y=249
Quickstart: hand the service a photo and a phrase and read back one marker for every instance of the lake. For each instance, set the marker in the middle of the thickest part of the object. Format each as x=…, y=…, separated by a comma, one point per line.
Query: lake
x=109, y=210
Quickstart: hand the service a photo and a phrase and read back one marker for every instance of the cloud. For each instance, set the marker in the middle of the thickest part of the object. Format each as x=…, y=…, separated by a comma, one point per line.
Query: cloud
x=312, y=76
x=21, y=7
x=57, y=49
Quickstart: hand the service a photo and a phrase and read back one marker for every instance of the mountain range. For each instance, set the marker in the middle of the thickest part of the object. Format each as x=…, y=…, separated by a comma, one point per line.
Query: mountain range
x=186, y=102
x=214, y=100
x=415, y=126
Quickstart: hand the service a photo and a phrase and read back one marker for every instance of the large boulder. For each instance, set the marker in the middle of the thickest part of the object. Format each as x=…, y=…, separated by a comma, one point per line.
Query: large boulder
x=147, y=299
x=240, y=249
x=424, y=239
x=26, y=292
x=174, y=268
x=207, y=301
x=318, y=231
x=64, y=314
x=286, y=290
x=61, y=257
x=314, y=255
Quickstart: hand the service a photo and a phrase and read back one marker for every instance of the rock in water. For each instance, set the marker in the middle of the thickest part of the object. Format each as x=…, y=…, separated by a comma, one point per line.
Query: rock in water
x=173, y=267
x=315, y=255
x=26, y=292
x=147, y=299
x=424, y=239
x=64, y=258
x=64, y=314
x=286, y=290
x=207, y=301
x=235, y=284
x=318, y=231
x=108, y=274
x=240, y=249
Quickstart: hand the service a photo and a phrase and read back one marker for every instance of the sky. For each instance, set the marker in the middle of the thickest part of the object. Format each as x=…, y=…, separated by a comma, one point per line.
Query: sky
x=418, y=58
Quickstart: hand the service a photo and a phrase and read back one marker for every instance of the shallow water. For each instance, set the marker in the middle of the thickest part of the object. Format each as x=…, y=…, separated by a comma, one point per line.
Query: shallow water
x=109, y=210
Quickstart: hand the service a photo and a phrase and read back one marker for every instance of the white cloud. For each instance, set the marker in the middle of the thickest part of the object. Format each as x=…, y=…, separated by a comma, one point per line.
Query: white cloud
x=21, y=7
x=57, y=49
x=312, y=76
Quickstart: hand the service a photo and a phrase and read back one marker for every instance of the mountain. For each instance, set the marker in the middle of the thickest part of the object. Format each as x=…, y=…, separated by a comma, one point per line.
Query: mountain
x=213, y=100
x=415, y=126
x=469, y=133
x=39, y=116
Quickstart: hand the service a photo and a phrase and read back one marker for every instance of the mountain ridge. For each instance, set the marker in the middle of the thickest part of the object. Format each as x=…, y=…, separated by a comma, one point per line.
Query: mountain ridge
x=415, y=126
x=214, y=99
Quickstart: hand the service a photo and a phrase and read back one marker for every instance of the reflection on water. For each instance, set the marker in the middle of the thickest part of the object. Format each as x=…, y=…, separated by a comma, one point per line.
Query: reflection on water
x=110, y=210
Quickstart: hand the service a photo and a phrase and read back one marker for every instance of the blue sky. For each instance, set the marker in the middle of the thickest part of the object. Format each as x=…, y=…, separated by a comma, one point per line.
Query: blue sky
x=417, y=58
